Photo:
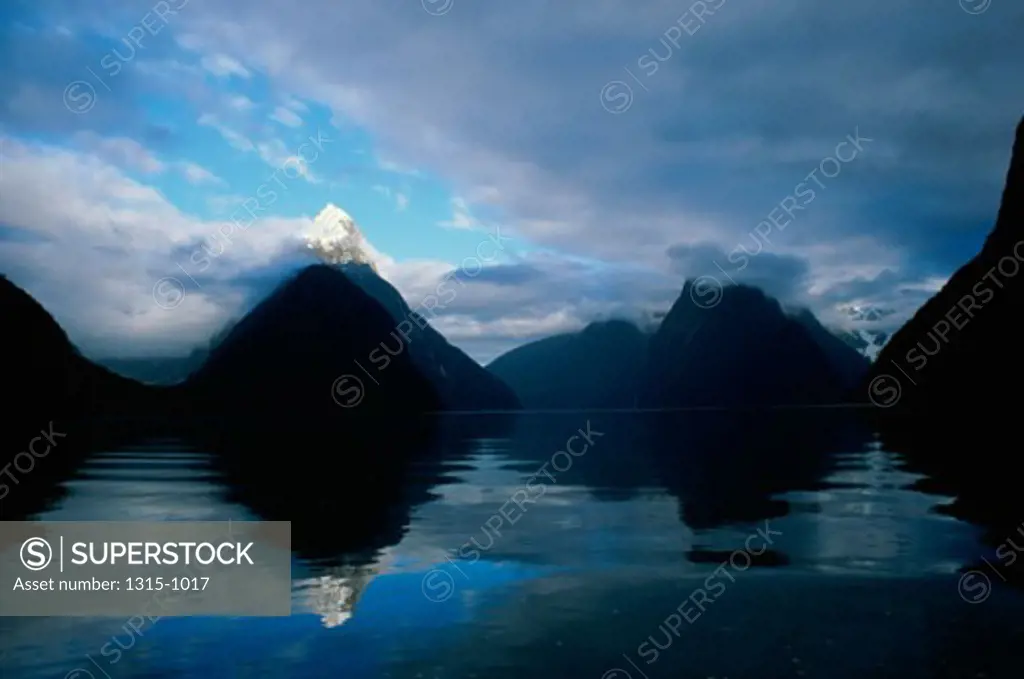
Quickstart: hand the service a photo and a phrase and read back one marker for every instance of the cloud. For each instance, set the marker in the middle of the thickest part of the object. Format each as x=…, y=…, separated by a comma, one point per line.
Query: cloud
x=461, y=218
x=240, y=102
x=278, y=156
x=120, y=151
x=97, y=252
x=674, y=168
x=286, y=116
x=197, y=174
x=224, y=66
x=95, y=259
x=400, y=199
x=785, y=277
x=727, y=125
x=231, y=136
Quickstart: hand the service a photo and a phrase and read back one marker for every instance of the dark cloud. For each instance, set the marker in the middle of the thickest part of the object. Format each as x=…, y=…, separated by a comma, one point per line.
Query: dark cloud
x=784, y=277
x=504, y=274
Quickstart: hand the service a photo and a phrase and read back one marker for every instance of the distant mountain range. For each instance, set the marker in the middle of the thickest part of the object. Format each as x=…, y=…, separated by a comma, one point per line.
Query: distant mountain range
x=599, y=367
x=343, y=324
x=743, y=352
x=285, y=357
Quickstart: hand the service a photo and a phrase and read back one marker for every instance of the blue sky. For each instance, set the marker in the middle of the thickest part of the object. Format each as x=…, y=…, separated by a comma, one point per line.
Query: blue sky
x=616, y=149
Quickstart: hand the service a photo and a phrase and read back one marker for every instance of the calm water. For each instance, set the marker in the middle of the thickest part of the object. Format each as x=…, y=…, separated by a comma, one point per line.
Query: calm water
x=596, y=573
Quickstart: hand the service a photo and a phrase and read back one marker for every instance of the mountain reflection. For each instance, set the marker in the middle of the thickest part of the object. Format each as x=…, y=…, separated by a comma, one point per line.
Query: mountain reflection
x=334, y=594
x=623, y=532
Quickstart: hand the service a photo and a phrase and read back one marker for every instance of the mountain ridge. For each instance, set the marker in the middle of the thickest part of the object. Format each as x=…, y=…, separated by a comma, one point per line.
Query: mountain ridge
x=960, y=346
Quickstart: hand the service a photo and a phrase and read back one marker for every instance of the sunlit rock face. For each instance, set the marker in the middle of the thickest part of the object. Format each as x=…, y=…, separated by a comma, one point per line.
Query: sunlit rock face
x=336, y=239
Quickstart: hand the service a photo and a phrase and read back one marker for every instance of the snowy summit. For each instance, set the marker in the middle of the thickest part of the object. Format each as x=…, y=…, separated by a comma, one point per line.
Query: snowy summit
x=336, y=239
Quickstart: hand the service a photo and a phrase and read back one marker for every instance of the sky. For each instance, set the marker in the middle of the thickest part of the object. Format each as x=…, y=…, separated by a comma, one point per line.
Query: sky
x=567, y=162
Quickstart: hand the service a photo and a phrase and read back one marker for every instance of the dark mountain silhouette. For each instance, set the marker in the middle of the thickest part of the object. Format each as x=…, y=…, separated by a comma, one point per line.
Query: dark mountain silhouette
x=743, y=352
x=462, y=383
x=46, y=375
x=595, y=368
x=961, y=350
x=287, y=355
x=54, y=399
x=41, y=368
x=942, y=380
x=850, y=364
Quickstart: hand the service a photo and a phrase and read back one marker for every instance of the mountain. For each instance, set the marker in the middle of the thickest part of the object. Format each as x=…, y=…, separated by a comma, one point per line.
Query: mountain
x=57, y=406
x=961, y=349
x=45, y=373
x=40, y=364
x=595, y=368
x=850, y=364
x=306, y=350
x=743, y=352
x=867, y=343
x=462, y=383
x=867, y=331
x=336, y=239
x=335, y=595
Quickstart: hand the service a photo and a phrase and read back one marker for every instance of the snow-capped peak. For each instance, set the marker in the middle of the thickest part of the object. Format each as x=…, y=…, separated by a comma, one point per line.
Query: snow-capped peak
x=336, y=239
x=867, y=328
x=869, y=314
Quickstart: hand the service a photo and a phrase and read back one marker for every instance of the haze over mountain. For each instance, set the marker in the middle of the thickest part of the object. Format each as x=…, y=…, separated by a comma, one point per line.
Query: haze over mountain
x=962, y=348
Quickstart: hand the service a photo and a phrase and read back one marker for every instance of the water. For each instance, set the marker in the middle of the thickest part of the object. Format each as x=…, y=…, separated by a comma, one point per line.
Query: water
x=609, y=567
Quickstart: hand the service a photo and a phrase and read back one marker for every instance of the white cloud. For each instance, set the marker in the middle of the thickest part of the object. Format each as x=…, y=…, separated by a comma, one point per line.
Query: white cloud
x=687, y=163
x=286, y=116
x=223, y=66
x=275, y=154
x=95, y=256
x=99, y=250
x=397, y=168
x=222, y=205
x=400, y=199
x=461, y=217
x=197, y=174
x=232, y=137
x=295, y=105
x=240, y=102
x=671, y=169
x=120, y=151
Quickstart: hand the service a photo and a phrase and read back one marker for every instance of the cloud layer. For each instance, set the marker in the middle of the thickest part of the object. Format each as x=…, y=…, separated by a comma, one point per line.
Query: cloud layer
x=622, y=147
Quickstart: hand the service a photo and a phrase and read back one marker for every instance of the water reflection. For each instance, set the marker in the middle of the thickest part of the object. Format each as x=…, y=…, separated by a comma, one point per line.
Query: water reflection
x=558, y=585
x=334, y=595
